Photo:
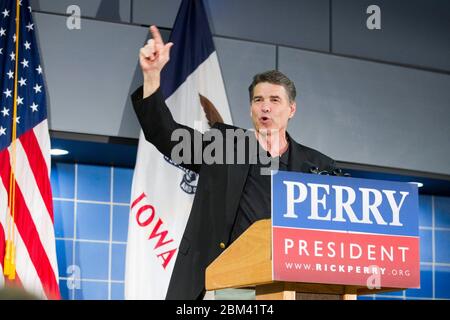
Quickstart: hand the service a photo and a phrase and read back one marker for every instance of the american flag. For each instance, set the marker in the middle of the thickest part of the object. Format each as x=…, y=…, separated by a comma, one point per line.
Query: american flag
x=26, y=210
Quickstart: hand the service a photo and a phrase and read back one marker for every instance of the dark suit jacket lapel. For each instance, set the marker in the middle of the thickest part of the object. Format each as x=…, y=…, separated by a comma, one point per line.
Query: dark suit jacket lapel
x=297, y=157
x=236, y=178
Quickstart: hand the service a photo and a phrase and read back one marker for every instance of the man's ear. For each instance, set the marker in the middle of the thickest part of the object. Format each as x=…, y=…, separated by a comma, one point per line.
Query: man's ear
x=293, y=107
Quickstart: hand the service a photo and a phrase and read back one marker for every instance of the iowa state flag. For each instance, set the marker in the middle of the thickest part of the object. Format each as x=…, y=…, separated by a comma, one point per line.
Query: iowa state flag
x=193, y=87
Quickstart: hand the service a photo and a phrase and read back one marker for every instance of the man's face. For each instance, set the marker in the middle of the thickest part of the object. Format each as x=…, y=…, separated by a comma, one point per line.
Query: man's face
x=270, y=107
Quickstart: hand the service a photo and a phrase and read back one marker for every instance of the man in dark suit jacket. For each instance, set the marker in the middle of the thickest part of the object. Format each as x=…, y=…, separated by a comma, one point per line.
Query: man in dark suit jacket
x=229, y=197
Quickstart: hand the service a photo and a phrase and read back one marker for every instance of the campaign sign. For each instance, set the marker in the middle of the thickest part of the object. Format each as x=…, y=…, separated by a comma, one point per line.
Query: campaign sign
x=342, y=230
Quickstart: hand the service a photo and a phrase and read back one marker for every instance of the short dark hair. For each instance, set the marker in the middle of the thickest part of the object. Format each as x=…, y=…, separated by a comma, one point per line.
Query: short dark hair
x=274, y=77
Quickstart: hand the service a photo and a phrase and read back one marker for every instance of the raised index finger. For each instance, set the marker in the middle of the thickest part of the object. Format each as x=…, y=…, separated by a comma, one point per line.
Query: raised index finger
x=156, y=35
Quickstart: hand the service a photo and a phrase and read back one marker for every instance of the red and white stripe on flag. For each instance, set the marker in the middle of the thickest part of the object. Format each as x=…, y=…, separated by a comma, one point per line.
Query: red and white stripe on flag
x=33, y=223
x=25, y=159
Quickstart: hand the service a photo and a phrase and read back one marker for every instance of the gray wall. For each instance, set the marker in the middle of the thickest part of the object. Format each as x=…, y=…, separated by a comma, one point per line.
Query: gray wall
x=378, y=97
x=371, y=113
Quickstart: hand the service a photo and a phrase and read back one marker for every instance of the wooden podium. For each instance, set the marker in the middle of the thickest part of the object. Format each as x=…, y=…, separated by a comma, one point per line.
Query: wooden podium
x=247, y=263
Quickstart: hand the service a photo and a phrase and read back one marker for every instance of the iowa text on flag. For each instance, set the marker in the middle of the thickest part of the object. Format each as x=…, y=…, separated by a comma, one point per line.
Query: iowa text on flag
x=27, y=239
x=162, y=193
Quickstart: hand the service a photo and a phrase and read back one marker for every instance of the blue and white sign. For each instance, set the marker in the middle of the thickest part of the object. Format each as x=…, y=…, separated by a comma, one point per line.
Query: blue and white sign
x=323, y=202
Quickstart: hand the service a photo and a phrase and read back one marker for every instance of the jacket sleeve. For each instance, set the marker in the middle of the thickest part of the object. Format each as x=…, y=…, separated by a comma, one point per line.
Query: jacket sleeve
x=158, y=126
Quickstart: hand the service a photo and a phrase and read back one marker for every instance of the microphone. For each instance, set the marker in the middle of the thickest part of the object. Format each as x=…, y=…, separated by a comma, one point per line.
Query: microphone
x=314, y=170
x=336, y=172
